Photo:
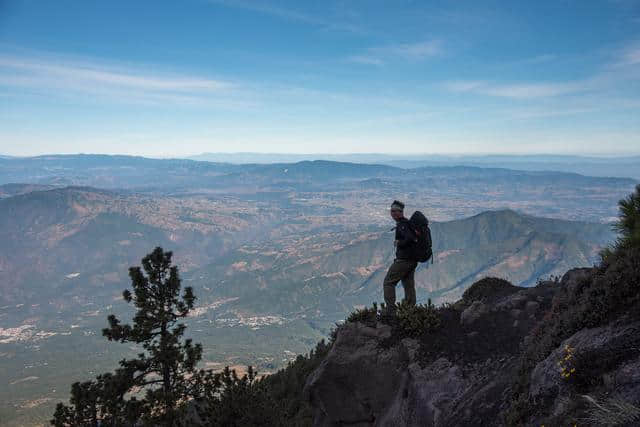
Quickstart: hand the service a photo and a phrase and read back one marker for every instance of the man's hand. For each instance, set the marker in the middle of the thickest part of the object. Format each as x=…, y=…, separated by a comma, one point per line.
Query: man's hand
x=395, y=243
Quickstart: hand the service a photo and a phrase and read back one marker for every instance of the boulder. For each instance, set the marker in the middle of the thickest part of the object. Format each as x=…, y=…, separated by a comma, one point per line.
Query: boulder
x=473, y=312
x=606, y=357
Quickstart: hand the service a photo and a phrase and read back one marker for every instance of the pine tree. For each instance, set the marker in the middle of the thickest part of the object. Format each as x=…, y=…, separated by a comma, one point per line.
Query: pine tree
x=163, y=376
x=84, y=409
x=628, y=224
x=230, y=400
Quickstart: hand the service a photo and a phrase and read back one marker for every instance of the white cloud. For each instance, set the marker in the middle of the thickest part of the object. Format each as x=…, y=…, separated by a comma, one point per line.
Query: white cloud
x=420, y=50
x=520, y=90
x=539, y=59
x=90, y=77
x=622, y=69
x=406, y=51
x=269, y=9
x=631, y=56
x=366, y=59
x=288, y=14
x=464, y=85
x=550, y=112
x=533, y=90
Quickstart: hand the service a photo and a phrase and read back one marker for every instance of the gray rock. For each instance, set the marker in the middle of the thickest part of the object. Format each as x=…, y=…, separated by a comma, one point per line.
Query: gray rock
x=531, y=307
x=517, y=300
x=368, y=380
x=572, y=278
x=595, y=345
x=362, y=383
x=473, y=313
x=354, y=382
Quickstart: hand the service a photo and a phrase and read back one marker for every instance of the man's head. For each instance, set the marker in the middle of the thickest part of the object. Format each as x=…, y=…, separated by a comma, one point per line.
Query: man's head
x=397, y=210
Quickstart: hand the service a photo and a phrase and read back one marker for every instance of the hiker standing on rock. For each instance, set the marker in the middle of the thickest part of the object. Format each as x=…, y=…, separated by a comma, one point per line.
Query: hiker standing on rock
x=404, y=265
x=413, y=245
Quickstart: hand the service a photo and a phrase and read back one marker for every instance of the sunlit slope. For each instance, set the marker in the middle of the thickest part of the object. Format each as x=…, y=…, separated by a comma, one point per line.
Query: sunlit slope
x=80, y=241
x=331, y=272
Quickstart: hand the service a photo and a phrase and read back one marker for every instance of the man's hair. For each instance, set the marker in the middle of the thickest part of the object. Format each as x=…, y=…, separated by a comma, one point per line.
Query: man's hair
x=397, y=205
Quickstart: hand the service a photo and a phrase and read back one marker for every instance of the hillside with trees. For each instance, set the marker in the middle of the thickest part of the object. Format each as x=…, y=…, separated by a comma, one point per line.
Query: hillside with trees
x=564, y=351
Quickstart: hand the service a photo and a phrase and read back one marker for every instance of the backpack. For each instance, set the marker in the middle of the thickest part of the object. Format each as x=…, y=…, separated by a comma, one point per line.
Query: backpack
x=420, y=226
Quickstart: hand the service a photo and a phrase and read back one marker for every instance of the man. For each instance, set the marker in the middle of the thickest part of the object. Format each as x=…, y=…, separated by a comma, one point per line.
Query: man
x=404, y=265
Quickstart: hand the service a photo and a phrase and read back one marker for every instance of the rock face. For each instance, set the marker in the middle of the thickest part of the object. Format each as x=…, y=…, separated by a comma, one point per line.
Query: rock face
x=615, y=347
x=458, y=375
x=462, y=374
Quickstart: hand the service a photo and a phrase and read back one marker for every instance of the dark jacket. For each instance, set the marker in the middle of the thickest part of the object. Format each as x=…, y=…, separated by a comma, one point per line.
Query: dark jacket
x=406, y=239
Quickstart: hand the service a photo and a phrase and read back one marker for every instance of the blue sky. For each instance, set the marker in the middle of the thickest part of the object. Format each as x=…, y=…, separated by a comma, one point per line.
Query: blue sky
x=175, y=78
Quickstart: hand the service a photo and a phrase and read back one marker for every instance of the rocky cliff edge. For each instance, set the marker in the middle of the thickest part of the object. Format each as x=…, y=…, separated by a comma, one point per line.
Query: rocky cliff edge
x=470, y=371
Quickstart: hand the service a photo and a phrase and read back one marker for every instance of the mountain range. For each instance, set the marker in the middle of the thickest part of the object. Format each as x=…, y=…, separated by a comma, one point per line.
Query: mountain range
x=276, y=253
x=622, y=166
x=62, y=239
x=355, y=190
x=260, y=303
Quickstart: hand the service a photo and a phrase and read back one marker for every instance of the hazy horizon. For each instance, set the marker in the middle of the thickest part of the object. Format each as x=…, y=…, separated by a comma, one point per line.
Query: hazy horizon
x=596, y=166
x=422, y=155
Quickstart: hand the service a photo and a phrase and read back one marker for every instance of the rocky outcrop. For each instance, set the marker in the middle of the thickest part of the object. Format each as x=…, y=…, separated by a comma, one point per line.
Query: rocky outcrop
x=463, y=373
x=458, y=375
x=614, y=350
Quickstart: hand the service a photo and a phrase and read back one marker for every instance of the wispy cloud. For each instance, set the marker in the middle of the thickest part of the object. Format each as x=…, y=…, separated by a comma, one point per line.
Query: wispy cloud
x=269, y=9
x=420, y=50
x=535, y=90
x=366, y=59
x=539, y=59
x=289, y=14
x=464, y=85
x=630, y=56
x=550, y=112
x=622, y=67
x=406, y=51
x=91, y=80
x=58, y=74
x=520, y=91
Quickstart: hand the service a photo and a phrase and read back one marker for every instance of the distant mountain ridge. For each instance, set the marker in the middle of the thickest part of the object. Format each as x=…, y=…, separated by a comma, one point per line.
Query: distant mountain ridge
x=14, y=189
x=621, y=166
x=120, y=171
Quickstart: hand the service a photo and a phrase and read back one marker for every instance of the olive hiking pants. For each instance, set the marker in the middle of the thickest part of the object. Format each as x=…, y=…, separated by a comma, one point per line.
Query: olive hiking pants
x=401, y=270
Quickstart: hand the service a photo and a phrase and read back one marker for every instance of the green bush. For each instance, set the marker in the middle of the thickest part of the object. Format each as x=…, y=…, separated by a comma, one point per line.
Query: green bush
x=286, y=385
x=274, y=400
x=414, y=320
x=233, y=401
x=407, y=320
x=367, y=315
